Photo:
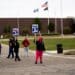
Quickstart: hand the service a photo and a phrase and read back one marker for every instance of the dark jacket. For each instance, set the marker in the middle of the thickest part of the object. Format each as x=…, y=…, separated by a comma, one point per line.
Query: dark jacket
x=10, y=43
x=40, y=46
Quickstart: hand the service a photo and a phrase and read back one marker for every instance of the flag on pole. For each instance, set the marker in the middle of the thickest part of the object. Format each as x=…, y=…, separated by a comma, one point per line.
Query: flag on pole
x=45, y=6
x=35, y=10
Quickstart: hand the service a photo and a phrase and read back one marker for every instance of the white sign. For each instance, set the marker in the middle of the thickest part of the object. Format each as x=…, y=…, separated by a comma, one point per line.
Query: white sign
x=35, y=28
x=15, y=31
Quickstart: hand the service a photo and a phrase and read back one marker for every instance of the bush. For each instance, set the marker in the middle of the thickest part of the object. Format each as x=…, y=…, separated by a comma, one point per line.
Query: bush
x=7, y=35
x=67, y=30
x=25, y=32
x=46, y=34
x=7, y=29
x=51, y=27
x=37, y=21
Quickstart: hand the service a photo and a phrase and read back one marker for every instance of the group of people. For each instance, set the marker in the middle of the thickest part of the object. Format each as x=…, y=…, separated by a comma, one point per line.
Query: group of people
x=14, y=48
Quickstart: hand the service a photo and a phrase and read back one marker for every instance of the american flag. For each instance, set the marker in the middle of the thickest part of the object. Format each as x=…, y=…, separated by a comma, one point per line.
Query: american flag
x=45, y=4
x=46, y=8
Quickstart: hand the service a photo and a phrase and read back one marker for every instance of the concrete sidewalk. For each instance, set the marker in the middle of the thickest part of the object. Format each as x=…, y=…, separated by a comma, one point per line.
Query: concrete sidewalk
x=53, y=64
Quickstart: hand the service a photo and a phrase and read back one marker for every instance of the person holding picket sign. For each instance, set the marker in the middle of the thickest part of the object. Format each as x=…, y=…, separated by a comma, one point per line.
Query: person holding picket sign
x=40, y=48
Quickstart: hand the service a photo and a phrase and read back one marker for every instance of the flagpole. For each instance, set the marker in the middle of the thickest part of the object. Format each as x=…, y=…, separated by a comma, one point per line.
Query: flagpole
x=61, y=26
x=18, y=22
x=48, y=23
x=55, y=25
x=55, y=22
x=48, y=19
x=61, y=20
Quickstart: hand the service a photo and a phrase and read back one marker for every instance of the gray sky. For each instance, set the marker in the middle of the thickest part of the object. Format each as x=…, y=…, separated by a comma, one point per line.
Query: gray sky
x=24, y=8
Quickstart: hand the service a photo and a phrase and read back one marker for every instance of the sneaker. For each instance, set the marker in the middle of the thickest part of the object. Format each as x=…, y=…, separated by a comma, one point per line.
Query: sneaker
x=35, y=62
x=15, y=59
x=12, y=57
x=7, y=57
x=19, y=59
x=41, y=62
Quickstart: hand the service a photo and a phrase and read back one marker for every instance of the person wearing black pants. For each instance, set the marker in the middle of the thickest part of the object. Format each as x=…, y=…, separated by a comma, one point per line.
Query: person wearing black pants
x=16, y=50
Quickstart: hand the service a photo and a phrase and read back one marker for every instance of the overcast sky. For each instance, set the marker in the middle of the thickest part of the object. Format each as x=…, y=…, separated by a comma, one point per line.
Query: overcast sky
x=24, y=8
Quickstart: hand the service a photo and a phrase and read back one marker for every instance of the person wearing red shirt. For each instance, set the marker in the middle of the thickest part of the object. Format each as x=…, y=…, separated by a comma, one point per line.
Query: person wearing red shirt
x=26, y=44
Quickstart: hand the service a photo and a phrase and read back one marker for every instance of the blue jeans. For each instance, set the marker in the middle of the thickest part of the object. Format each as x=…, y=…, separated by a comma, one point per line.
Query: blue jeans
x=26, y=50
x=0, y=51
x=11, y=52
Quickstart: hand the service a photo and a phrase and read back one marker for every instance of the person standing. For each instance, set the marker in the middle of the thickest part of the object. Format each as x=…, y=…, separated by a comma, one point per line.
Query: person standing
x=26, y=44
x=11, y=47
x=16, y=50
x=40, y=48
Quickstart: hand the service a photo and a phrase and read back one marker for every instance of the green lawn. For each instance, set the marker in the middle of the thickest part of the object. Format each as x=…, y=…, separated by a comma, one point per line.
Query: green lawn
x=67, y=43
x=50, y=44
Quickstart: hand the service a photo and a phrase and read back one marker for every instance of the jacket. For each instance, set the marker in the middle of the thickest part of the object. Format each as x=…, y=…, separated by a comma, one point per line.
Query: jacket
x=40, y=46
x=26, y=43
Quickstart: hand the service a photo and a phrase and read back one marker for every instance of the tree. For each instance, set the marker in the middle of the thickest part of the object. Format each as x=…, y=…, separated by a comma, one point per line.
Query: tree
x=73, y=28
x=25, y=31
x=37, y=21
x=7, y=29
x=51, y=27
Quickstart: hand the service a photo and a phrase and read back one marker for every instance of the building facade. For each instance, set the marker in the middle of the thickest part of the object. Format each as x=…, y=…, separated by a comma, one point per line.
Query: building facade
x=26, y=24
